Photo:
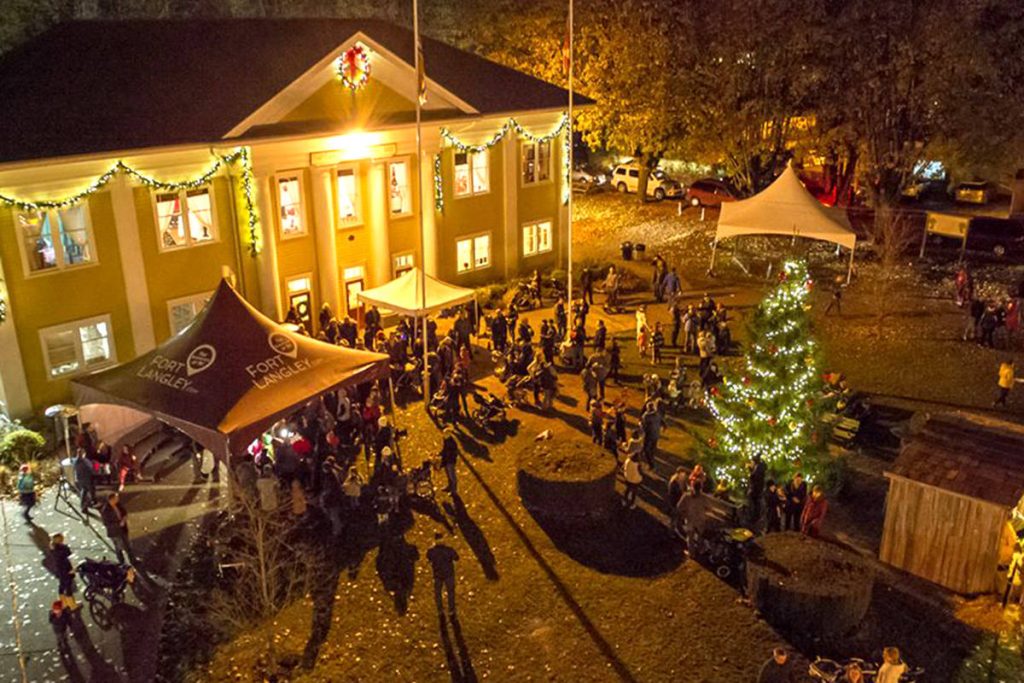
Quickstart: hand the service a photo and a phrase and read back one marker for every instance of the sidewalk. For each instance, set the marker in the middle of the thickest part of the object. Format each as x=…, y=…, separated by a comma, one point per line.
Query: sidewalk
x=118, y=643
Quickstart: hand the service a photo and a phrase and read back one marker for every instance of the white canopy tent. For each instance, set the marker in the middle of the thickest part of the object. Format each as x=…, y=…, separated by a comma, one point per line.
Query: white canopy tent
x=418, y=294
x=785, y=208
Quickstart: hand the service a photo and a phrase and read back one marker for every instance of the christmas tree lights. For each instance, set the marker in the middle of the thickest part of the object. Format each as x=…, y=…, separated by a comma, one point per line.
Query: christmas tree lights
x=773, y=408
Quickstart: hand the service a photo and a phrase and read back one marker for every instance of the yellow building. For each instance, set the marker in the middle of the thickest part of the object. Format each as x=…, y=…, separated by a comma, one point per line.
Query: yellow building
x=324, y=112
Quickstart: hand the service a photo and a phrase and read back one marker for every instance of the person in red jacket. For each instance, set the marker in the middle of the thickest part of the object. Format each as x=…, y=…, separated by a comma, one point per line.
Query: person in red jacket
x=814, y=513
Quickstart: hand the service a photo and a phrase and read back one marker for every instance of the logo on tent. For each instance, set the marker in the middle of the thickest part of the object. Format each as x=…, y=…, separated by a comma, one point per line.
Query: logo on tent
x=200, y=359
x=283, y=344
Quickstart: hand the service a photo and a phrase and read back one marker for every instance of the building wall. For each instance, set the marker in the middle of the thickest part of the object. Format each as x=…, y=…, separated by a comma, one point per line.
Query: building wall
x=188, y=271
x=46, y=299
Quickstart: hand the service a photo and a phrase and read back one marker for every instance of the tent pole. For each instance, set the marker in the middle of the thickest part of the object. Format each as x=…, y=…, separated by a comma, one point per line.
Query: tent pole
x=426, y=365
x=849, y=271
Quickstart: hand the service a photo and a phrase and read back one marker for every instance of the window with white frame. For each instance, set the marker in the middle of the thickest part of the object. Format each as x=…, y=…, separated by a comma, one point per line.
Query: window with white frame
x=56, y=238
x=289, y=200
x=77, y=347
x=185, y=218
x=403, y=263
x=473, y=253
x=536, y=161
x=472, y=175
x=536, y=238
x=347, y=197
x=181, y=312
x=399, y=188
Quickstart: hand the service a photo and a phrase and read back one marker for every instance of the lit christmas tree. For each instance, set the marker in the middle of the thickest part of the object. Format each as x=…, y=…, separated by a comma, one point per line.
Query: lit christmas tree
x=773, y=408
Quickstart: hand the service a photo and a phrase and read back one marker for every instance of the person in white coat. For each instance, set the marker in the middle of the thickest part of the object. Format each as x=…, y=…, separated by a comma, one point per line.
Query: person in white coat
x=633, y=477
x=892, y=666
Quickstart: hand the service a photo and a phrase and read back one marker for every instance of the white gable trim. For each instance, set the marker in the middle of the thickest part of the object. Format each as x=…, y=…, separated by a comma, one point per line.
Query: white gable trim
x=395, y=74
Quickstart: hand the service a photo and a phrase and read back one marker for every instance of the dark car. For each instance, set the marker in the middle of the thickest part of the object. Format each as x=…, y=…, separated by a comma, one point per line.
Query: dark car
x=998, y=236
x=710, y=192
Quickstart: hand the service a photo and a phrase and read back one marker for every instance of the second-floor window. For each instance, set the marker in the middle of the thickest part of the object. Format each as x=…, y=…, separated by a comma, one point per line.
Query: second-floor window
x=185, y=218
x=536, y=162
x=471, y=173
x=77, y=347
x=399, y=189
x=57, y=238
x=347, y=186
x=289, y=199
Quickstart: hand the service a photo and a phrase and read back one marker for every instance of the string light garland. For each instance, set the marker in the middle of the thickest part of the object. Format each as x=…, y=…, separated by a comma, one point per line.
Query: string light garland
x=448, y=138
x=240, y=156
x=772, y=410
x=354, y=67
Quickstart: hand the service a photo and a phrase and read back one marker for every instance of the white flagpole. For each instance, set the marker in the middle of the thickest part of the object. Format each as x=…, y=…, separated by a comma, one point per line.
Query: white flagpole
x=569, y=161
x=423, y=208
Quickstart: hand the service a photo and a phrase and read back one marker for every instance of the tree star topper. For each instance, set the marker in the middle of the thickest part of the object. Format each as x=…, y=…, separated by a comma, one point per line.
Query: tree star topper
x=354, y=67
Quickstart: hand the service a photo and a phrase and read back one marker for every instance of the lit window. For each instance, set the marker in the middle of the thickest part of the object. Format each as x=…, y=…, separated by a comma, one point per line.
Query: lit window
x=181, y=312
x=536, y=238
x=536, y=162
x=185, y=218
x=354, y=278
x=471, y=173
x=473, y=253
x=81, y=346
x=348, y=197
x=403, y=263
x=57, y=238
x=289, y=195
x=400, y=193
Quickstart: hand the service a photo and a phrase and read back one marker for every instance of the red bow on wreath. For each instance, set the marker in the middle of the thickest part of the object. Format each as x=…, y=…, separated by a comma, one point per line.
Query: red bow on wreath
x=354, y=67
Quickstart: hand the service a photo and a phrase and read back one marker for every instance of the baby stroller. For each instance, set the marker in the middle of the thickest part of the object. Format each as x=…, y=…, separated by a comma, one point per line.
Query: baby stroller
x=571, y=355
x=490, y=409
x=105, y=578
x=438, y=406
x=408, y=376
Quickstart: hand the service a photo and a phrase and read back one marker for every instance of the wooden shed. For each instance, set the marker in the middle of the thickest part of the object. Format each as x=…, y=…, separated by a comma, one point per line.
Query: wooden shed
x=953, y=490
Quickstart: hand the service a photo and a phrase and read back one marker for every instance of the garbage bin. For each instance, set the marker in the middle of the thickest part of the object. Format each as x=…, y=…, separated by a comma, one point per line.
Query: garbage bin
x=639, y=250
x=627, y=251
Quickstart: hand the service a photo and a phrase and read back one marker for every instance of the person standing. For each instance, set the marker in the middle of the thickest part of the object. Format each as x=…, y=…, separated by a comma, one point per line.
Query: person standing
x=499, y=331
x=1007, y=378
x=690, y=324
x=657, y=344
x=650, y=422
x=774, y=502
x=596, y=419
x=676, y=309
x=84, y=481
x=705, y=350
x=837, y=297
x=547, y=341
x=755, y=489
x=987, y=323
x=600, y=335
x=61, y=554
x=449, y=457
x=115, y=519
x=561, y=320
x=26, y=486
x=975, y=309
x=814, y=513
x=442, y=560
x=614, y=360
x=677, y=485
x=587, y=285
x=671, y=287
x=641, y=326
x=633, y=477
x=796, y=498
x=778, y=669
x=892, y=668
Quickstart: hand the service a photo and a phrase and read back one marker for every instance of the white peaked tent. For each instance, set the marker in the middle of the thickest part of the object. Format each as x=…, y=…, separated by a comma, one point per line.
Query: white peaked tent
x=785, y=208
x=405, y=294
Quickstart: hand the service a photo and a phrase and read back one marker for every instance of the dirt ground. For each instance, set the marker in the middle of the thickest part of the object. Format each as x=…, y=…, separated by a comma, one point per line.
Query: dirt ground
x=621, y=602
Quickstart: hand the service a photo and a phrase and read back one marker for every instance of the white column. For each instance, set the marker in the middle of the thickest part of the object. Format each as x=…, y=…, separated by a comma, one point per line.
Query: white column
x=132, y=266
x=430, y=246
x=13, y=384
x=326, y=237
x=510, y=224
x=266, y=260
x=380, y=243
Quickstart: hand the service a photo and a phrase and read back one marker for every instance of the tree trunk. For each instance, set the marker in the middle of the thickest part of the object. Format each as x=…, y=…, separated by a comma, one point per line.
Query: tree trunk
x=642, y=164
x=1017, y=202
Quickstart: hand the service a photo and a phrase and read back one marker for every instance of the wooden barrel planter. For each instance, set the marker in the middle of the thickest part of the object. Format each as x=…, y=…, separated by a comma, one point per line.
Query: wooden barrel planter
x=804, y=584
x=567, y=480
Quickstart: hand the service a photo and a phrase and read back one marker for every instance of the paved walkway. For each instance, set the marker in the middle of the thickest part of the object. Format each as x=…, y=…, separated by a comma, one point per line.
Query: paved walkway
x=117, y=643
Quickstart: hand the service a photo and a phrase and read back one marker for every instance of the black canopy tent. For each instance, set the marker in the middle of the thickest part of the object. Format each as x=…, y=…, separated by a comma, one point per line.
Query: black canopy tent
x=229, y=375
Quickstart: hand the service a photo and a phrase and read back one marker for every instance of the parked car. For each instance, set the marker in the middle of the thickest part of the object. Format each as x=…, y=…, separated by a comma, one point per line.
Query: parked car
x=586, y=181
x=997, y=236
x=626, y=178
x=978, y=192
x=710, y=192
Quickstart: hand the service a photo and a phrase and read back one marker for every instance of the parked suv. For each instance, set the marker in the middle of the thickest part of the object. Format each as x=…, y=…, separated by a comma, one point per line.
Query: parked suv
x=710, y=192
x=998, y=236
x=626, y=178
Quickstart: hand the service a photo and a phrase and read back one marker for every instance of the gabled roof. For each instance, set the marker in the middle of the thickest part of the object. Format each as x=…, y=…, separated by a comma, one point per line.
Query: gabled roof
x=405, y=294
x=975, y=456
x=96, y=86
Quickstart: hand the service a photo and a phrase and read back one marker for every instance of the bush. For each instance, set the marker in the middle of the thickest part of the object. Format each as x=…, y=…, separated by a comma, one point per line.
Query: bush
x=20, y=445
x=488, y=295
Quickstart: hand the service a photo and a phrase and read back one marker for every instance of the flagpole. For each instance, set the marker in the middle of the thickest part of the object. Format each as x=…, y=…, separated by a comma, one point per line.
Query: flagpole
x=420, y=92
x=570, y=161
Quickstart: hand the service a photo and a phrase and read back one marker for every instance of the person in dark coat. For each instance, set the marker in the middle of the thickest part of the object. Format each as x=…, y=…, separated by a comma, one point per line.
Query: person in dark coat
x=84, y=481
x=115, y=519
x=499, y=331
x=442, y=560
x=587, y=285
x=61, y=554
x=778, y=669
x=600, y=335
x=796, y=498
x=547, y=340
x=462, y=330
x=774, y=504
x=449, y=457
x=561, y=320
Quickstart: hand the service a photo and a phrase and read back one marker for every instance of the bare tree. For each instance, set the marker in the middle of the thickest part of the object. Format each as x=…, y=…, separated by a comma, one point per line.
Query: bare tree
x=894, y=236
